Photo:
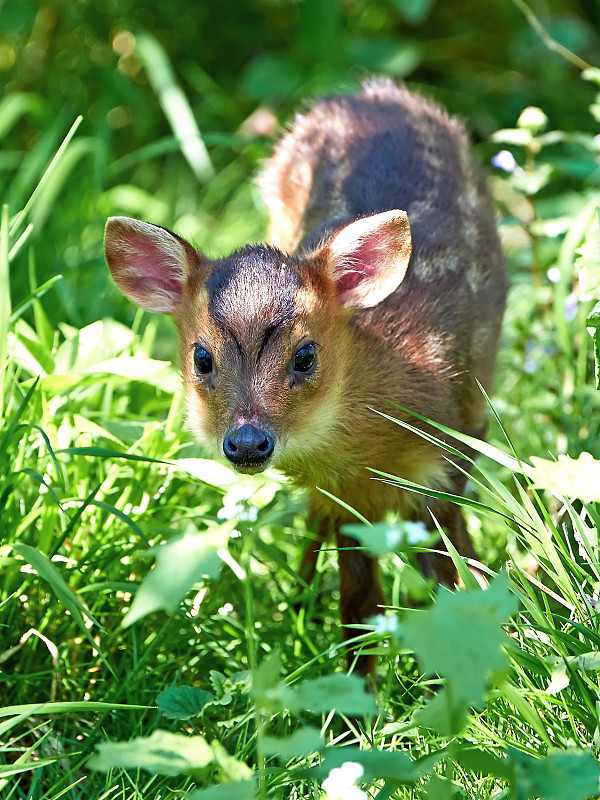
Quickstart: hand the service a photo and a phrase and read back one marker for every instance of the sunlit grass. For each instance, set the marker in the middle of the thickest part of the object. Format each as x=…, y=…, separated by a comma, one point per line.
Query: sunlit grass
x=136, y=573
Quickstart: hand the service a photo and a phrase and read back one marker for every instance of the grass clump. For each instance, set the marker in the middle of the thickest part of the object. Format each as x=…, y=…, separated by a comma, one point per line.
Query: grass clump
x=156, y=637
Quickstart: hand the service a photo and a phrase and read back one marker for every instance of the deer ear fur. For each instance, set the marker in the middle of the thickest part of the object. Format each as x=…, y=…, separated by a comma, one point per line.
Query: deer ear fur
x=368, y=258
x=149, y=264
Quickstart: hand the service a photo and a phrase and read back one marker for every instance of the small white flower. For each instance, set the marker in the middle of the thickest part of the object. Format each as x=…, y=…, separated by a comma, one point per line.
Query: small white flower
x=532, y=119
x=236, y=504
x=340, y=784
x=505, y=160
x=226, y=609
x=553, y=274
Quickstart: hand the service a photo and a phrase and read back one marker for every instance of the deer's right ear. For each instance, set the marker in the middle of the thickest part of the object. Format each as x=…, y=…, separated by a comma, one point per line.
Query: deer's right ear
x=149, y=264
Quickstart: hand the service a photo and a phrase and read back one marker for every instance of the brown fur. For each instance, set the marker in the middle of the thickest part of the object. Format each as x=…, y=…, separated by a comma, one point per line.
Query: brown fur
x=421, y=347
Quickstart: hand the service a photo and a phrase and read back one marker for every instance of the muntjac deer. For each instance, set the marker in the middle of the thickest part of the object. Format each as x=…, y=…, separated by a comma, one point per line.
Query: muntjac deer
x=384, y=280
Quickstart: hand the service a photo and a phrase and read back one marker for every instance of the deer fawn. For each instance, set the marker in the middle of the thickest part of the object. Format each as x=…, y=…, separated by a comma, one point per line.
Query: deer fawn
x=286, y=348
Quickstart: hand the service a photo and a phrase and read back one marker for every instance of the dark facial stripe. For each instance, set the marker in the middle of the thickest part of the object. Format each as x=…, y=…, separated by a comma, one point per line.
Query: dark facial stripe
x=254, y=287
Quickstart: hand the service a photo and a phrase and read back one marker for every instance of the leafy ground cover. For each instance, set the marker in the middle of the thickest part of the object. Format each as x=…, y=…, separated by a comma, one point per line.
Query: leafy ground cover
x=156, y=638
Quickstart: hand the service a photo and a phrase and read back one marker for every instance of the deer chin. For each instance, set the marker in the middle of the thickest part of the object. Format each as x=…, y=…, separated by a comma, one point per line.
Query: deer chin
x=249, y=469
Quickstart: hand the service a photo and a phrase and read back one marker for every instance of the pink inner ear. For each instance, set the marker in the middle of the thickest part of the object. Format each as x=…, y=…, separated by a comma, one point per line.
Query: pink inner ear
x=364, y=263
x=153, y=267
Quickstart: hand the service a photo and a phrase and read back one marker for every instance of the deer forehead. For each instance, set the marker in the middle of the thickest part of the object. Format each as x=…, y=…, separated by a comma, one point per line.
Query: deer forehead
x=254, y=290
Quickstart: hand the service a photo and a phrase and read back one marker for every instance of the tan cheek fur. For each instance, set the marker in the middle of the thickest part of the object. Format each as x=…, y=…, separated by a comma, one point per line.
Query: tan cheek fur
x=203, y=416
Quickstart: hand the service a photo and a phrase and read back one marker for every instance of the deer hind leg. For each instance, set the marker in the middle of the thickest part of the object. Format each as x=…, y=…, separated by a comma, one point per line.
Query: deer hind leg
x=361, y=596
x=308, y=565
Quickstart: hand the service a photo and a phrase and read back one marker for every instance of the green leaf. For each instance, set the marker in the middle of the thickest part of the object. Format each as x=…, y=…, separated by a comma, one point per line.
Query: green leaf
x=301, y=743
x=440, y=789
x=559, y=675
x=385, y=56
x=443, y=714
x=532, y=119
x=531, y=182
x=182, y=702
x=230, y=768
x=343, y=693
x=461, y=638
x=569, y=477
x=475, y=760
x=266, y=676
x=46, y=570
x=164, y=753
x=72, y=707
x=520, y=136
x=237, y=790
x=562, y=774
x=415, y=11
x=99, y=341
x=132, y=368
x=104, y=452
x=382, y=538
x=593, y=326
x=588, y=261
x=8, y=770
x=268, y=76
x=391, y=765
x=208, y=471
x=180, y=563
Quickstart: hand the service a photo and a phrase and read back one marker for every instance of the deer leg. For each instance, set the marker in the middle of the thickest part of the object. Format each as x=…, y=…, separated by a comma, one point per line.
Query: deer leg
x=308, y=565
x=361, y=596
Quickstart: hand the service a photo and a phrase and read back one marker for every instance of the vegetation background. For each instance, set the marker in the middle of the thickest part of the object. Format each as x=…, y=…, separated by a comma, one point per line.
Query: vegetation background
x=179, y=103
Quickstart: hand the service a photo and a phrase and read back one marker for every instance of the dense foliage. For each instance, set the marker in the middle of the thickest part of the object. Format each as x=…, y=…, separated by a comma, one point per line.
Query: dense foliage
x=99, y=481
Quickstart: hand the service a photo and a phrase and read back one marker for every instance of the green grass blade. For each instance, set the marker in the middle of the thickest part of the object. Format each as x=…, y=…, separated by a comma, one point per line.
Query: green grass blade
x=475, y=444
x=20, y=218
x=4, y=305
x=345, y=505
x=70, y=707
x=438, y=495
x=175, y=106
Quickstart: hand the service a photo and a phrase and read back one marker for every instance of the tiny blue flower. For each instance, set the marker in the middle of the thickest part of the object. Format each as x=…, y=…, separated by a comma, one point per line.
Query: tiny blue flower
x=416, y=532
x=571, y=306
x=384, y=624
x=530, y=366
x=393, y=536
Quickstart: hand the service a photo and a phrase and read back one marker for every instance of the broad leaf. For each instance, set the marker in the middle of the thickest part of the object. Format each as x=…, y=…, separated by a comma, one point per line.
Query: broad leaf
x=461, y=638
x=562, y=774
x=569, y=477
x=164, y=753
x=381, y=537
x=343, y=693
x=237, y=790
x=393, y=766
x=180, y=563
x=301, y=743
x=183, y=702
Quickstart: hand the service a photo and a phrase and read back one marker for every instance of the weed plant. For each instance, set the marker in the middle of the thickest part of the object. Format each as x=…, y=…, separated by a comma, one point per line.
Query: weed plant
x=156, y=637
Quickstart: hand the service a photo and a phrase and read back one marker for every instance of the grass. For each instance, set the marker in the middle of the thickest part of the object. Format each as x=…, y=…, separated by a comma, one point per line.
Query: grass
x=215, y=672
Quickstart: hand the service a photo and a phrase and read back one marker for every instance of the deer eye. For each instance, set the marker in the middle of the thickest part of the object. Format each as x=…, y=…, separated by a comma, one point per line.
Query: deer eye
x=203, y=361
x=304, y=358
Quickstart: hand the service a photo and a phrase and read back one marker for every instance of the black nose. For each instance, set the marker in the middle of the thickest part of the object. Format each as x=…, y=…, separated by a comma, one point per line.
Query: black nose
x=248, y=446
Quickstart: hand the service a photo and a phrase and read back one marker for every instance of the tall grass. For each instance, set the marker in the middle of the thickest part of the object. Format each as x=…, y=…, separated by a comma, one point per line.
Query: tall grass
x=156, y=636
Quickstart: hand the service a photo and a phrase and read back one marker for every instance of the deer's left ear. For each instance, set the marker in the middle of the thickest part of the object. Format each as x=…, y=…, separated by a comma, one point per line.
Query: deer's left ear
x=368, y=258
